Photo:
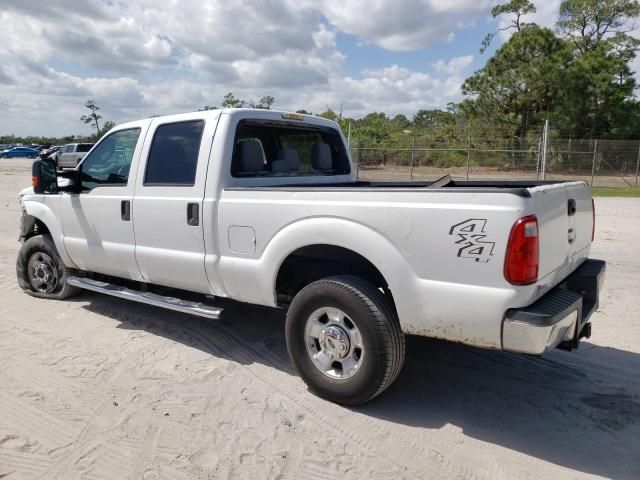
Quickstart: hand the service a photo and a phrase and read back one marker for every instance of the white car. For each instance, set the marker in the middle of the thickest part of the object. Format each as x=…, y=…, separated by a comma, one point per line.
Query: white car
x=264, y=207
x=71, y=153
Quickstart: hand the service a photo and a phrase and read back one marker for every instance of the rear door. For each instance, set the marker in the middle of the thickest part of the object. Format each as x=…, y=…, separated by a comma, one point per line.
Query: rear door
x=168, y=202
x=565, y=221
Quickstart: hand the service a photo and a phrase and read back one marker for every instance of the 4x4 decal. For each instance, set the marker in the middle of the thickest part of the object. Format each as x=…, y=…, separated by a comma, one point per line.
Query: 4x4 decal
x=471, y=239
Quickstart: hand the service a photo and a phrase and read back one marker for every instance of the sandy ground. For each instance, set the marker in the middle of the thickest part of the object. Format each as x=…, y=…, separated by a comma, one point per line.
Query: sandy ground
x=96, y=387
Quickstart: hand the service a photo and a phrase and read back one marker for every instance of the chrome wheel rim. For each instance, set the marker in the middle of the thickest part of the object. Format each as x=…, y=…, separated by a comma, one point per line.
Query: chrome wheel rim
x=43, y=275
x=334, y=343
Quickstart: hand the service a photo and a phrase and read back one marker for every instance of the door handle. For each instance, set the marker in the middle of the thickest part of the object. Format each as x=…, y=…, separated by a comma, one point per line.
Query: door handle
x=193, y=214
x=125, y=210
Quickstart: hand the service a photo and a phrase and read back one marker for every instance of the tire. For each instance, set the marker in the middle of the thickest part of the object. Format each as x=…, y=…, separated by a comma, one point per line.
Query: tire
x=368, y=320
x=38, y=259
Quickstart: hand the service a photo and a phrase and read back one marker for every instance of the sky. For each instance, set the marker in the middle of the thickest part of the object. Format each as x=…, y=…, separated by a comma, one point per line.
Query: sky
x=138, y=58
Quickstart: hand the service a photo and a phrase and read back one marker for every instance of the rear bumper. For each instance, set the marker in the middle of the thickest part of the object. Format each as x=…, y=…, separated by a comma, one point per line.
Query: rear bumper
x=560, y=317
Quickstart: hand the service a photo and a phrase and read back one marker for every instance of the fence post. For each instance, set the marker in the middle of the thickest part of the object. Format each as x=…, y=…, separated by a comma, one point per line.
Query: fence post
x=468, y=155
x=358, y=158
x=593, y=165
x=637, y=166
x=538, y=159
x=413, y=145
x=545, y=140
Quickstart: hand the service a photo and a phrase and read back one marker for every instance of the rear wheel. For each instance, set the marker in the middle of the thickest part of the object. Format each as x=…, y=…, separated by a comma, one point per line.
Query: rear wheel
x=344, y=339
x=40, y=270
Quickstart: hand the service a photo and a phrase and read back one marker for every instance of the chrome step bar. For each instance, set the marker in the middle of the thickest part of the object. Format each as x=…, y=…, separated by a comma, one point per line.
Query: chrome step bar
x=169, y=303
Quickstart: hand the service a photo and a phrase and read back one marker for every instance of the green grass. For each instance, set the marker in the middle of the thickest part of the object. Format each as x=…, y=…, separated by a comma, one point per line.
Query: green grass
x=616, y=192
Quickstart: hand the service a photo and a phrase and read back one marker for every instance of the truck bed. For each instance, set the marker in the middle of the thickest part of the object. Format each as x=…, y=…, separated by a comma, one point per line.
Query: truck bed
x=444, y=184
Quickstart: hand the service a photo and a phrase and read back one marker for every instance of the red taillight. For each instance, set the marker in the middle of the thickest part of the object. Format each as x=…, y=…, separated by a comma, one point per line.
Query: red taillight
x=521, y=261
x=34, y=181
x=593, y=225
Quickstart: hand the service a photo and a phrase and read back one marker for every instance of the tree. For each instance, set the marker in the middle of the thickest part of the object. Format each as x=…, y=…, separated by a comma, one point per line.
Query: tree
x=518, y=8
x=400, y=122
x=599, y=88
x=230, y=101
x=329, y=114
x=589, y=23
x=265, y=102
x=375, y=127
x=93, y=117
x=520, y=83
x=433, y=118
x=108, y=125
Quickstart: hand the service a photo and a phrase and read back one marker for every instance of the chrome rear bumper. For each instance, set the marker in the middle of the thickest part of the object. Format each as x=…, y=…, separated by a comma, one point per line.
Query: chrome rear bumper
x=559, y=318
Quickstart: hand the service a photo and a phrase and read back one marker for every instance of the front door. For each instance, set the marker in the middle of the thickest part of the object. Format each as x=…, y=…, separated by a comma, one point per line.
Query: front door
x=97, y=223
x=168, y=201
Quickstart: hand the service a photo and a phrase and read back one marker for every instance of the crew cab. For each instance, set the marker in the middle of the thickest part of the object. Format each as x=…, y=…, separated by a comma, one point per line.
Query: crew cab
x=265, y=207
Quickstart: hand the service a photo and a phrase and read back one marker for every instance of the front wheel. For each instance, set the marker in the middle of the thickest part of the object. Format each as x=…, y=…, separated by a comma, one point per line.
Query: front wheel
x=40, y=270
x=344, y=339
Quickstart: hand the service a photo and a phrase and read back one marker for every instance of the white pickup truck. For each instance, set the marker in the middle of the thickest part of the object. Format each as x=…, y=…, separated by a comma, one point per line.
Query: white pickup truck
x=265, y=207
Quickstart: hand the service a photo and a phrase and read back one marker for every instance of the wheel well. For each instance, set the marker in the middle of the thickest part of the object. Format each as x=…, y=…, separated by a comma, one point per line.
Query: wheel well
x=32, y=226
x=313, y=262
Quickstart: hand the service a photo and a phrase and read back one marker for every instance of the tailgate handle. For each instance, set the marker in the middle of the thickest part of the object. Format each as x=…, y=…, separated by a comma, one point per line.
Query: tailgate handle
x=571, y=210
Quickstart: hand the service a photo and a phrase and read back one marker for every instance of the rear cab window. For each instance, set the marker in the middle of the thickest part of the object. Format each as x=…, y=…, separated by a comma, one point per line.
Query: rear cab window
x=173, y=158
x=84, y=147
x=280, y=149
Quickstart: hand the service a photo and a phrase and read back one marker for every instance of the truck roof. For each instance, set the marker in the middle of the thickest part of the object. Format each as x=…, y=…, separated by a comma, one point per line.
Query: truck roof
x=244, y=113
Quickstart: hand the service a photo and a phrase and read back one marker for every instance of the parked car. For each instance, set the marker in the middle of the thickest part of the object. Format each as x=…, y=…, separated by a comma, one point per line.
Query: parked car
x=49, y=152
x=70, y=154
x=265, y=207
x=19, y=152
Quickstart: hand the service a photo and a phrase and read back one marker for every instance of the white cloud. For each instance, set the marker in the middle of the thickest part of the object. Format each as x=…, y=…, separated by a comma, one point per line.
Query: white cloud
x=454, y=66
x=140, y=58
x=401, y=25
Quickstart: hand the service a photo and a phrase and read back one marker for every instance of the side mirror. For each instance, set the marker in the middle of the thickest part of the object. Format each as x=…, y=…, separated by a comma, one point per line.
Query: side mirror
x=44, y=177
x=70, y=180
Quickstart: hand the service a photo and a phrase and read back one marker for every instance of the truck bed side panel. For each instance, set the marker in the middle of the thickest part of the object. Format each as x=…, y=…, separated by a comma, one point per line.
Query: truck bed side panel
x=441, y=253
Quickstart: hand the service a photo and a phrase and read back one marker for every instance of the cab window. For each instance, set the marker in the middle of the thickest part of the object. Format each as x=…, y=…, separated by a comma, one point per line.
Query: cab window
x=271, y=148
x=110, y=161
x=173, y=158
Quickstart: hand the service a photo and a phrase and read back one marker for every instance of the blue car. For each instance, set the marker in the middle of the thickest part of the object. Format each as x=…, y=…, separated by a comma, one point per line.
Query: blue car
x=19, y=152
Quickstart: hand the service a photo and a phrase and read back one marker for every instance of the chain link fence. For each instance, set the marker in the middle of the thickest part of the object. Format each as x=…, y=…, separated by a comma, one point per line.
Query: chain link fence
x=602, y=163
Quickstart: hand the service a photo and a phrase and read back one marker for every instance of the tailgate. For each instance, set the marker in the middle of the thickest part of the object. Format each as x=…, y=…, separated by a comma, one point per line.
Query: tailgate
x=565, y=222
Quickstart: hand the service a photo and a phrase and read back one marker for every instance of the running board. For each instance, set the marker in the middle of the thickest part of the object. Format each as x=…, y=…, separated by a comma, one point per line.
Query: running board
x=169, y=303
